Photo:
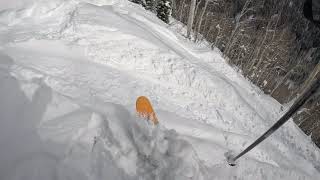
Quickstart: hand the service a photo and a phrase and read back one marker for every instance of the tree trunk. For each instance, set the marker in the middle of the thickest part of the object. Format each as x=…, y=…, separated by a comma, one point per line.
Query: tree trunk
x=200, y=20
x=191, y=17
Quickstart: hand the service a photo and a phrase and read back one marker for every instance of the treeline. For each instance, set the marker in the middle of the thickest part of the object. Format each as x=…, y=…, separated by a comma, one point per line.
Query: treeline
x=270, y=41
x=162, y=8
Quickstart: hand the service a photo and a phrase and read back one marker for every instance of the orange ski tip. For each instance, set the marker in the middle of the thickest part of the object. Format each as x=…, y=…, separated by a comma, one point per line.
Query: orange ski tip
x=144, y=109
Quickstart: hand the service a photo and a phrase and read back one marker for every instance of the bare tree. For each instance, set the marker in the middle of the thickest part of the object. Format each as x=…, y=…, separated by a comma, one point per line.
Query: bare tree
x=238, y=22
x=260, y=51
x=197, y=30
x=191, y=17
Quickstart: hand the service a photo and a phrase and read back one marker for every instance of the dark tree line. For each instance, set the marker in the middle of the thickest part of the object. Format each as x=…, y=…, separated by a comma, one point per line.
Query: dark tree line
x=162, y=8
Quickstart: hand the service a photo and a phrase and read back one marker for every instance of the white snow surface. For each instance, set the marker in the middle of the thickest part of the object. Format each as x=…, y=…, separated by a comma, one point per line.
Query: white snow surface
x=70, y=72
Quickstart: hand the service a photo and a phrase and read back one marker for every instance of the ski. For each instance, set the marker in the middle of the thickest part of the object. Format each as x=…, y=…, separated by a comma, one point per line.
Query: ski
x=144, y=109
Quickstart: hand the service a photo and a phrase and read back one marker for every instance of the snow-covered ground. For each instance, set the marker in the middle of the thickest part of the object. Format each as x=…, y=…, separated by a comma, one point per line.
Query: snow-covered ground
x=70, y=72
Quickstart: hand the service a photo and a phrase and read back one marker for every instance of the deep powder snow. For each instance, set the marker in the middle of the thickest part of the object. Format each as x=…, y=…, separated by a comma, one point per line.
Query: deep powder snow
x=70, y=72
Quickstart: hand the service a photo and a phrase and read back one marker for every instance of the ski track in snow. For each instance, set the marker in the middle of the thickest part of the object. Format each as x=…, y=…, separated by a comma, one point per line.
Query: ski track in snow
x=71, y=72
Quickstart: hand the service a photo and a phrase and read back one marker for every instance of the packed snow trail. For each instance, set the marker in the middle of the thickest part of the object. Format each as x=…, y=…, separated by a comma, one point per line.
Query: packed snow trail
x=71, y=72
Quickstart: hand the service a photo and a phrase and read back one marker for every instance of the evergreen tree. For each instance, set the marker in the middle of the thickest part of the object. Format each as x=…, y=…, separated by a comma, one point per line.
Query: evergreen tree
x=150, y=4
x=142, y=2
x=164, y=10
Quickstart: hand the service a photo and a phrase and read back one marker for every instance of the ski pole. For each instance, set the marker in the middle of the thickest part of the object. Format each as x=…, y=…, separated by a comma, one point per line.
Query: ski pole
x=298, y=103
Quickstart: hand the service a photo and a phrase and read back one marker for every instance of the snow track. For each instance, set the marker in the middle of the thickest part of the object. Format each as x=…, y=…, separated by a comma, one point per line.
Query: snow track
x=74, y=70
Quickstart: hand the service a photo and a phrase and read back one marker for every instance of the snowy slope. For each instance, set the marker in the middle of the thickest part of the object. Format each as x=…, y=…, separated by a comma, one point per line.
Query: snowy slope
x=70, y=72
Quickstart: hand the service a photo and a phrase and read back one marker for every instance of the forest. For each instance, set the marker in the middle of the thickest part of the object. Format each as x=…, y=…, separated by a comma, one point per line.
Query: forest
x=273, y=43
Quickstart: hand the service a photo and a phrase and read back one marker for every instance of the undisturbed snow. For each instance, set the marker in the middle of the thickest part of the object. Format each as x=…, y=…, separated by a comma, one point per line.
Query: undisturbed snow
x=70, y=72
